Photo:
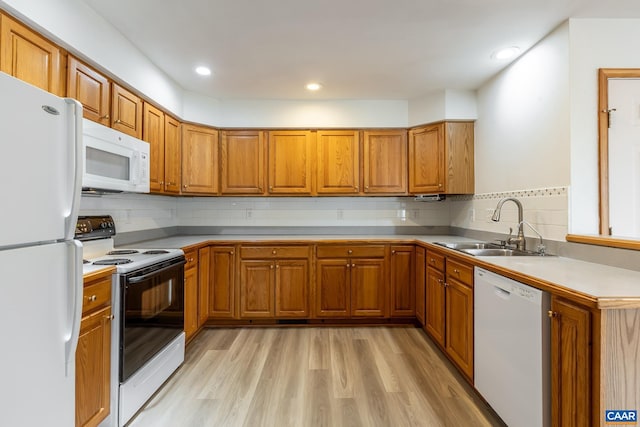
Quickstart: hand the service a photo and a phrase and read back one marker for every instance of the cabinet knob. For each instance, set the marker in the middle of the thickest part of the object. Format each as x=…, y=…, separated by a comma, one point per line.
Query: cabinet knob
x=440, y=185
x=441, y=281
x=353, y=265
x=393, y=252
x=271, y=266
x=92, y=298
x=277, y=266
x=230, y=252
x=348, y=265
x=455, y=270
x=118, y=121
x=161, y=182
x=105, y=117
x=273, y=251
x=356, y=188
x=260, y=189
x=270, y=188
x=349, y=251
x=366, y=188
x=433, y=261
x=552, y=314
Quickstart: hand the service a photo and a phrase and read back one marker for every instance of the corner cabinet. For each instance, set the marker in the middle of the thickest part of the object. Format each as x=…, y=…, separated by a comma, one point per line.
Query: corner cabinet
x=199, y=160
x=28, y=56
x=441, y=158
x=93, y=354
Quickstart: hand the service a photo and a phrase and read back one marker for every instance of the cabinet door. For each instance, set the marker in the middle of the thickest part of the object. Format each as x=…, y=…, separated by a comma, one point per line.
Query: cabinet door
x=26, y=55
x=435, y=295
x=570, y=364
x=333, y=298
x=338, y=159
x=257, y=289
x=204, y=272
x=93, y=368
x=459, y=325
x=153, y=133
x=292, y=283
x=242, y=162
x=92, y=89
x=290, y=162
x=222, y=282
x=126, y=111
x=172, y=155
x=421, y=277
x=368, y=288
x=199, y=160
x=403, y=291
x=385, y=162
x=426, y=159
x=190, y=302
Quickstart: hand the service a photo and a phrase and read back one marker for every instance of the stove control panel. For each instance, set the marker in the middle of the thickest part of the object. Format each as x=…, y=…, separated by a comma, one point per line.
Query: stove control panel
x=95, y=227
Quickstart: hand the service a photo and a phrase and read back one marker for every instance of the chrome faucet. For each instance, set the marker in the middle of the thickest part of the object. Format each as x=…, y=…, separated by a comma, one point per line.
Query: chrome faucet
x=519, y=240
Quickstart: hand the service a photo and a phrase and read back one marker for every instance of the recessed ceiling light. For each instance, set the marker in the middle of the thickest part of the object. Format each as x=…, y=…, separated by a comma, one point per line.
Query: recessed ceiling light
x=203, y=71
x=313, y=86
x=506, y=53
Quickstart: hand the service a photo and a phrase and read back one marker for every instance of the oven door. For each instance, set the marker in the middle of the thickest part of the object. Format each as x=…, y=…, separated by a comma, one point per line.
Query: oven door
x=151, y=312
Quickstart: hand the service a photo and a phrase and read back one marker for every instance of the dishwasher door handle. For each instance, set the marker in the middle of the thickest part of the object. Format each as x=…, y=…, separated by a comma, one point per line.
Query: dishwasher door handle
x=504, y=294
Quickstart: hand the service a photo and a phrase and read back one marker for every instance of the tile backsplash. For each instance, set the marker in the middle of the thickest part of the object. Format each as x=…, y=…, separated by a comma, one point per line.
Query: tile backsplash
x=135, y=212
x=545, y=209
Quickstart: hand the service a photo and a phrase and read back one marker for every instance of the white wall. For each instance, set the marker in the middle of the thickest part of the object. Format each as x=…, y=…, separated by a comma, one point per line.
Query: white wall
x=74, y=25
x=594, y=43
x=522, y=131
x=443, y=104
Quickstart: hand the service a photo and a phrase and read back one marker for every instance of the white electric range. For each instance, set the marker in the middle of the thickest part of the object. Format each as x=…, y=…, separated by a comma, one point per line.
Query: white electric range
x=147, y=330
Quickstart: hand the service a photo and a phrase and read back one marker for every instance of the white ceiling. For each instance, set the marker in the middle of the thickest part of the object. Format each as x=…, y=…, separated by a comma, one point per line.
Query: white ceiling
x=358, y=49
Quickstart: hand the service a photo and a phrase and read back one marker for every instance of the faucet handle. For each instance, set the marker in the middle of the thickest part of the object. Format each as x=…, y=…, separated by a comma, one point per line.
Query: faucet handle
x=501, y=242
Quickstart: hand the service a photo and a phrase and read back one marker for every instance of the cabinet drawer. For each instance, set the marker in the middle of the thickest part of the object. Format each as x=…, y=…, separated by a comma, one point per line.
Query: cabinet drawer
x=192, y=259
x=344, y=251
x=435, y=260
x=459, y=271
x=96, y=294
x=269, y=252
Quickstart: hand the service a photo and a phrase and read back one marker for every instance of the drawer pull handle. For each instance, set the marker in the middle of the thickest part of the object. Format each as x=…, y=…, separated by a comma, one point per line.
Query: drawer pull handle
x=552, y=314
x=273, y=251
x=455, y=270
x=349, y=251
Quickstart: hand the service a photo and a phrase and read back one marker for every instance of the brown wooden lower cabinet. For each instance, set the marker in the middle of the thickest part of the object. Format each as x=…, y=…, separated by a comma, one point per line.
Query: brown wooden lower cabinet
x=191, y=294
x=421, y=277
x=93, y=354
x=221, y=282
x=274, y=282
x=571, y=339
x=435, y=298
x=402, y=281
x=351, y=281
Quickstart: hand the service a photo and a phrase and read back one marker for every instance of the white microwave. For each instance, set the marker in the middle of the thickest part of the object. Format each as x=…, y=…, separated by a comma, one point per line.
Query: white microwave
x=113, y=161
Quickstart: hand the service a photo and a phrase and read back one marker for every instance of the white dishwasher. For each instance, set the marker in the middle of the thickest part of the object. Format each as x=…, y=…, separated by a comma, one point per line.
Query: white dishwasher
x=511, y=349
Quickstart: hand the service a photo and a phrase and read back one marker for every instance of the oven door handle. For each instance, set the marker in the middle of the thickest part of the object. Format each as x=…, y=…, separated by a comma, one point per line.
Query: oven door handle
x=139, y=279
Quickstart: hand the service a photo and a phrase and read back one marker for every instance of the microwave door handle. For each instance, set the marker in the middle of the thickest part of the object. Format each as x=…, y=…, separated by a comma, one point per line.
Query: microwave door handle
x=139, y=279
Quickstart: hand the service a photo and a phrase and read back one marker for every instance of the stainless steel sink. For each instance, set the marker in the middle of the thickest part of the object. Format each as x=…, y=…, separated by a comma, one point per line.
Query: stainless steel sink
x=468, y=245
x=486, y=249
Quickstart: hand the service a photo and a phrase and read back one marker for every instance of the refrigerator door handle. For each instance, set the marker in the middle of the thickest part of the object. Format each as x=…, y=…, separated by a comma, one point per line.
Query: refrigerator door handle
x=75, y=122
x=74, y=306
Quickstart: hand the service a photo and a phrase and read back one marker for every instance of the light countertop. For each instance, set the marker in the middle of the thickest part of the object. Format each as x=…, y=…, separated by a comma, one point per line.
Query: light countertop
x=610, y=287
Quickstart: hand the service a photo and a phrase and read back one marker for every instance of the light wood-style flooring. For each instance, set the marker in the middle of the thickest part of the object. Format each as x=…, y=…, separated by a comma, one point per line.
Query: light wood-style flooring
x=376, y=376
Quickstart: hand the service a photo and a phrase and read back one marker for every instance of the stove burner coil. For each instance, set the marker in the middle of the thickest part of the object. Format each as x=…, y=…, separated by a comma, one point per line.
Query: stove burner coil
x=112, y=261
x=155, y=252
x=122, y=252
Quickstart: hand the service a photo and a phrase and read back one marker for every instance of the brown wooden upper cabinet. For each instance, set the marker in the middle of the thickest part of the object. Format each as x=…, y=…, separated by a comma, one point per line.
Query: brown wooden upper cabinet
x=199, y=160
x=338, y=162
x=242, y=162
x=92, y=89
x=172, y=155
x=441, y=159
x=126, y=111
x=153, y=133
x=28, y=56
x=385, y=162
x=290, y=160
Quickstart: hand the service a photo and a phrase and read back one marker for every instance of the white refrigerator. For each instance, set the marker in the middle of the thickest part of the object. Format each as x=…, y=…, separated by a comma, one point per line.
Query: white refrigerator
x=40, y=263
